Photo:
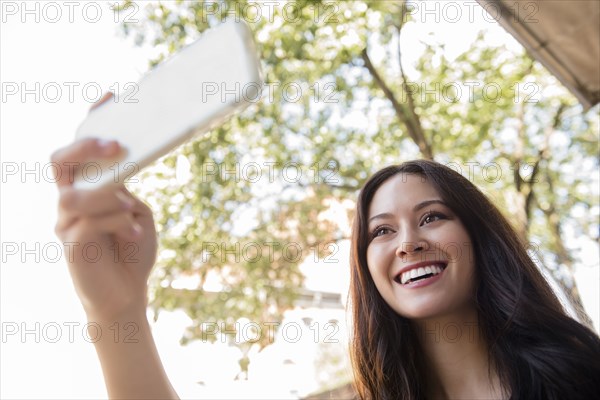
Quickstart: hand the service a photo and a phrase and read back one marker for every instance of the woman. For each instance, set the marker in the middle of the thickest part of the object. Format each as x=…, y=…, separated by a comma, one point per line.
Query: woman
x=470, y=273
x=446, y=303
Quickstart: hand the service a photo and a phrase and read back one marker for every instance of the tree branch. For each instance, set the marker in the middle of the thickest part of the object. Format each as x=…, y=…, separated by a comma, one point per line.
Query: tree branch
x=414, y=119
x=407, y=114
x=564, y=258
x=543, y=153
x=413, y=132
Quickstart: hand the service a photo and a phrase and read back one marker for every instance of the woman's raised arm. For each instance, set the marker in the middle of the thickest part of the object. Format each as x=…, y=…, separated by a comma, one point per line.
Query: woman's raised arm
x=110, y=240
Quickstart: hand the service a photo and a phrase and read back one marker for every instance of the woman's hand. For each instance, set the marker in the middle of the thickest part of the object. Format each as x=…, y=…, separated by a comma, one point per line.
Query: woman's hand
x=109, y=236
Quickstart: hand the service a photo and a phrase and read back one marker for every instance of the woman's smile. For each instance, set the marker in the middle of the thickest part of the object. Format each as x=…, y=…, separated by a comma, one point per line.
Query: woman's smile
x=420, y=274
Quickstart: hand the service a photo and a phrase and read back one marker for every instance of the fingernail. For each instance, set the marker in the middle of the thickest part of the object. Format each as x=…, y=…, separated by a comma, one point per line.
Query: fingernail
x=106, y=145
x=136, y=230
x=126, y=201
x=104, y=142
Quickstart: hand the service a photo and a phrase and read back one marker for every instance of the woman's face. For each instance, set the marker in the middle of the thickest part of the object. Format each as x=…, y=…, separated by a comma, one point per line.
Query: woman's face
x=420, y=254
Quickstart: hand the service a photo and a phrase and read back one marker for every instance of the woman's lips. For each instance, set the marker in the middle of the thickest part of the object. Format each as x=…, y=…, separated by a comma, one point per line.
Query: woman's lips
x=420, y=274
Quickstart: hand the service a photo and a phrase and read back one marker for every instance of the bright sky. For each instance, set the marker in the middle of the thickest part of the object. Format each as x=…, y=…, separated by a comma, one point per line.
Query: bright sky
x=70, y=54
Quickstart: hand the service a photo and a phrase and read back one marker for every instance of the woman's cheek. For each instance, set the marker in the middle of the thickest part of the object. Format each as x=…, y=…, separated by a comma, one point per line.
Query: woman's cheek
x=374, y=262
x=453, y=250
x=450, y=244
x=371, y=260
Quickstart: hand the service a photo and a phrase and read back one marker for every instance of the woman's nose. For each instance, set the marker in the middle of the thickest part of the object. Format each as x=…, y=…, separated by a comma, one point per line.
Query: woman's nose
x=409, y=244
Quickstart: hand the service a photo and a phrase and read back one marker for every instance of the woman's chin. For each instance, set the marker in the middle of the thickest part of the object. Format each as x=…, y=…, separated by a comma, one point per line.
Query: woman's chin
x=422, y=313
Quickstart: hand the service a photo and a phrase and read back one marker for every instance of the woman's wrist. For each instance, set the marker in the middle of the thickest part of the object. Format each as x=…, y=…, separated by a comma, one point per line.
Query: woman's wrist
x=134, y=314
x=126, y=327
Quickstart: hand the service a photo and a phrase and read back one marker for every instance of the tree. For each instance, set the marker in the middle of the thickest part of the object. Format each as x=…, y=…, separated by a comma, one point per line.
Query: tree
x=336, y=113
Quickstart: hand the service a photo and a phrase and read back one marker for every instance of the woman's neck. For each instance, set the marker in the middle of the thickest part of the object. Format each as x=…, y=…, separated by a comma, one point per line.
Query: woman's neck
x=456, y=358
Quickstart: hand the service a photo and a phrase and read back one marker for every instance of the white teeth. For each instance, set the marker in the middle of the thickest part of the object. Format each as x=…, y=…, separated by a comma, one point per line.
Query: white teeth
x=416, y=272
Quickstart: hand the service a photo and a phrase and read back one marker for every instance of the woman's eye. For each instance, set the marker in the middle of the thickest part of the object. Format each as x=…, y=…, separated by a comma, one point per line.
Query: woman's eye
x=429, y=218
x=380, y=231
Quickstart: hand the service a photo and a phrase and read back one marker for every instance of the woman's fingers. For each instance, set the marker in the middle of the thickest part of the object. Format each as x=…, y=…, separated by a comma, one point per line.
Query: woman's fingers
x=139, y=207
x=75, y=204
x=71, y=158
x=121, y=224
x=94, y=202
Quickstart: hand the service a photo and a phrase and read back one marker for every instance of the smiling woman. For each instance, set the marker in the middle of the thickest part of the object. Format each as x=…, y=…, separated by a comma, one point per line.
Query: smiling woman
x=446, y=302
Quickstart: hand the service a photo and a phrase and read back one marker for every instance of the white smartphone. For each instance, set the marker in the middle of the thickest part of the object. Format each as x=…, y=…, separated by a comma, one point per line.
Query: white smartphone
x=193, y=91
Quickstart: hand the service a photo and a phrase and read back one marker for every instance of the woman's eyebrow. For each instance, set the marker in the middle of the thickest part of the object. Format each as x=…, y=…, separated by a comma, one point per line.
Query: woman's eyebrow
x=427, y=203
x=419, y=206
x=381, y=216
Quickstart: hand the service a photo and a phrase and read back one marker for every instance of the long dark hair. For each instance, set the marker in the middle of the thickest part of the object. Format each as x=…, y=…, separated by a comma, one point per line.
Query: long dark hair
x=538, y=351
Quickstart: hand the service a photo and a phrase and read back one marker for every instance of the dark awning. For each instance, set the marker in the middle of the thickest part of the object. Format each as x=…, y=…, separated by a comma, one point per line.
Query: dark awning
x=563, y=35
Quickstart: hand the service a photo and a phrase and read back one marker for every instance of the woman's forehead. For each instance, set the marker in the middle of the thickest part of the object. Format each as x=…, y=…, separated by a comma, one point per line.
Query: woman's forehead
x=402, y=191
